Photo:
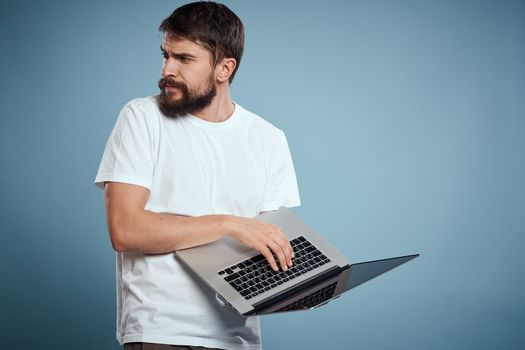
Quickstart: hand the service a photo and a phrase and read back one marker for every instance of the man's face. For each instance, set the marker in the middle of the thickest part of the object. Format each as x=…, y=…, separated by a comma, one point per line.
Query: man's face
x=188, y=81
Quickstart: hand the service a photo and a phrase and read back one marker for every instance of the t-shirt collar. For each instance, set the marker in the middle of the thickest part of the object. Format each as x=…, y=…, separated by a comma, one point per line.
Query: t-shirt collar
x=201, y=123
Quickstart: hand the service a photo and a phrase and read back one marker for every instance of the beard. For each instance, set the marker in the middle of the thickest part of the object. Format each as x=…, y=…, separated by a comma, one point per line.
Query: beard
x=189, y=102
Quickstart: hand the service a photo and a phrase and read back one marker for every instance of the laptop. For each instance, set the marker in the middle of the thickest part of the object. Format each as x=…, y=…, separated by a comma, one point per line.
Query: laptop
x=243, y=278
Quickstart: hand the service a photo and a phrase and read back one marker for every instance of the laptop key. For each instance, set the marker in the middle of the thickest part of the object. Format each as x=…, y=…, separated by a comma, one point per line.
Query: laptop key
x=257, y=258
x=234, y=284
x=231, y=277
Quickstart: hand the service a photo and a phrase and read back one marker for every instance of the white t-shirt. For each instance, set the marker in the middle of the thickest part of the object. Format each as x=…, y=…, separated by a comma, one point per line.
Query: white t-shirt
x=241, y=166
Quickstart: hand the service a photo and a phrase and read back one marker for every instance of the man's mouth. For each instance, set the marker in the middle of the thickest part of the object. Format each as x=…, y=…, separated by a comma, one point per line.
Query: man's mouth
x=171, y=88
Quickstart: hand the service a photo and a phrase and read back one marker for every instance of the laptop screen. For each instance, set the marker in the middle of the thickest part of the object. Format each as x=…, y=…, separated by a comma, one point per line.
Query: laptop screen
x=332, y=287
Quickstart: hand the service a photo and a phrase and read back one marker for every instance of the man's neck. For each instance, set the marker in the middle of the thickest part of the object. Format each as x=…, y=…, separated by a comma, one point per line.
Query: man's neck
x=221, y=108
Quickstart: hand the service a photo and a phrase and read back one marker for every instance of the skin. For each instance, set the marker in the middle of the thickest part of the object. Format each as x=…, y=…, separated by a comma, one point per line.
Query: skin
x=132, y=228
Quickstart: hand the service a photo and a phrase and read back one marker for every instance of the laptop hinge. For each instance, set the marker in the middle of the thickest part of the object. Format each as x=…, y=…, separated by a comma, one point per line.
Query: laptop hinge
x=263, y=304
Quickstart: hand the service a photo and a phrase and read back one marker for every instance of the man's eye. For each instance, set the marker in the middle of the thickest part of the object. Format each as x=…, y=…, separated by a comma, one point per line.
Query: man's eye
x=164, y=54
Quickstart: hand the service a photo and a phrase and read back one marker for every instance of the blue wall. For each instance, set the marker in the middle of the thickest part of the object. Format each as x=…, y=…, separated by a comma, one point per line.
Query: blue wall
x=406, y=120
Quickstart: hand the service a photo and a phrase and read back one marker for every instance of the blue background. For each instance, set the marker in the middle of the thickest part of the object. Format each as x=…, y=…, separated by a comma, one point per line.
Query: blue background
x=406, y=121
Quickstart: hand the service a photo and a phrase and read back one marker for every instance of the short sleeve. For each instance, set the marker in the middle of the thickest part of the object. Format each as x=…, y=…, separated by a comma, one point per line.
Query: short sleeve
x=281, y=186
x=129, y=156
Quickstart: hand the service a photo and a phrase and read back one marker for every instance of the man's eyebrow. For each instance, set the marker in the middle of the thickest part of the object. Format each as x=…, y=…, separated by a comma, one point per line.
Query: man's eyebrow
x=179, y=54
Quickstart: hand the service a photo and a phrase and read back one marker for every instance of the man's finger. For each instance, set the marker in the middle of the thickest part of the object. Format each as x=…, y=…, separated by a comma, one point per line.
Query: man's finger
x=278, y=251
x=269, y=257
x=286, y=248
x=289, y=246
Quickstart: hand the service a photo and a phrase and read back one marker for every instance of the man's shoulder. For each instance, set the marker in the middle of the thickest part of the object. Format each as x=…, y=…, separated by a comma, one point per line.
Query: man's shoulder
x=259, y=123
x=146, y=104
x=143, y=110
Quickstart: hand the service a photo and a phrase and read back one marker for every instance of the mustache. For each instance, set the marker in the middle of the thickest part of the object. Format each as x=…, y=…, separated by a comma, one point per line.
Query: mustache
x=170, y=81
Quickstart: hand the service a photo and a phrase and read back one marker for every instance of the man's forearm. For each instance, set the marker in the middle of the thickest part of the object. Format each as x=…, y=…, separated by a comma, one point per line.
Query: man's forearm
x=133, y=228
x=157, y=233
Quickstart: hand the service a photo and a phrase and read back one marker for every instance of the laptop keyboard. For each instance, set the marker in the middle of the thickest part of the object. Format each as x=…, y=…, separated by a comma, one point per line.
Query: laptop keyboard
x=254, y=276
x=312, y=300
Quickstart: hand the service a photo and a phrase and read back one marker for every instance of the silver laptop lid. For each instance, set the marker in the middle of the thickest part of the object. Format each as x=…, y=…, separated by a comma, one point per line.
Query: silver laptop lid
x=208, y=260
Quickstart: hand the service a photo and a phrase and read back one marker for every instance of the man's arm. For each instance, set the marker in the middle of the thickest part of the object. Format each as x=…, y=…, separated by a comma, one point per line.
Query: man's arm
x=132, y=228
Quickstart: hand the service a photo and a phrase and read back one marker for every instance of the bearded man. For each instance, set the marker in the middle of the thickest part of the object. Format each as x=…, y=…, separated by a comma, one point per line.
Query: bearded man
x=184, y=168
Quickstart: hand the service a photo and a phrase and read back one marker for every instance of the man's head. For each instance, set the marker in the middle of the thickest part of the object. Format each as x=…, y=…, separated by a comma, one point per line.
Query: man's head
x=199, y=37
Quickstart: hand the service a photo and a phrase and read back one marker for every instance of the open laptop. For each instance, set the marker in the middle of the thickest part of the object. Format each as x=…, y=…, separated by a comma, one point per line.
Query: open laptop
x=244, y=279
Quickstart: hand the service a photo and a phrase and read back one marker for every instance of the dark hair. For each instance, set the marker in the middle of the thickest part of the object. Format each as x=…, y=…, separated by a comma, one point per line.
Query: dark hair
x=211, y=25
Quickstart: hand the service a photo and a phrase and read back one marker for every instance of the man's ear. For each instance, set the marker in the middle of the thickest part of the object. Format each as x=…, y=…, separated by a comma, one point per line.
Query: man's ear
x=225, y=69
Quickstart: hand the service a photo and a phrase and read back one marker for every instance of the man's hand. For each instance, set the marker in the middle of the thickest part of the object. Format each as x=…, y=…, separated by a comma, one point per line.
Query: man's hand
x=264, y=237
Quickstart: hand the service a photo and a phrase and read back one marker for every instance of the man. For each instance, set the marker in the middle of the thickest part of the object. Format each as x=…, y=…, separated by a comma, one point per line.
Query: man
x=185, y=168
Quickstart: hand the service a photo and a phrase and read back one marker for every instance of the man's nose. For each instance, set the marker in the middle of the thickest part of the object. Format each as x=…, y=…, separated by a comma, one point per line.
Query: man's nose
x=169, y=67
